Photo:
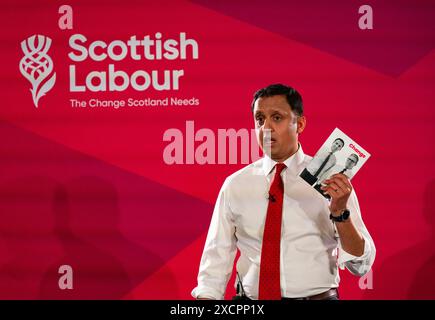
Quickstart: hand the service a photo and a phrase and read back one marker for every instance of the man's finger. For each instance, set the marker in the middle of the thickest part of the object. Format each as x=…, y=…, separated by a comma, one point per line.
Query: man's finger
x=341, y=185
x=342, y=181
x=343, y=178
x=333, y=186
x=330, y=190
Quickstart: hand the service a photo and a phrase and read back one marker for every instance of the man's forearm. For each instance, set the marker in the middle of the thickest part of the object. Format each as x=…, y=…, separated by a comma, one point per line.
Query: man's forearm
x=351, y=239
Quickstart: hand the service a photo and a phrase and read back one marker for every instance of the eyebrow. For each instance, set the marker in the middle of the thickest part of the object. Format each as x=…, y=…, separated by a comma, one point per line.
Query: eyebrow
x=273, y=111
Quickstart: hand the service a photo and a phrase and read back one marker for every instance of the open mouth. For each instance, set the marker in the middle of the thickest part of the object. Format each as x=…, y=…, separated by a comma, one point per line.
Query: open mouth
x=269, y=140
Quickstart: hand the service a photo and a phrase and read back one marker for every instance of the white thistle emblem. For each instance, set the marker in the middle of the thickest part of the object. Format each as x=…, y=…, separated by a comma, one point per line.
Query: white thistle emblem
x=37, y=66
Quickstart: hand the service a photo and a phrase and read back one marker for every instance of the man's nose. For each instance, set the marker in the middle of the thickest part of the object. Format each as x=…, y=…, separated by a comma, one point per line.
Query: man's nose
x=268, y=125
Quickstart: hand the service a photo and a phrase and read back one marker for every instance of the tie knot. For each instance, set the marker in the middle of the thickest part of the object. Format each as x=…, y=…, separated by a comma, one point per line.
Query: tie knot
x=279, y=167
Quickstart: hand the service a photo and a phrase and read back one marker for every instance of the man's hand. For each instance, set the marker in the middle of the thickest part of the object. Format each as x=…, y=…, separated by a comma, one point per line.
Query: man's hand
x=339, y=188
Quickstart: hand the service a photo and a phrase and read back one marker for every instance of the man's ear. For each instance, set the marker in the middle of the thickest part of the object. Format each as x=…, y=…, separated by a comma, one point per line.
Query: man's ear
x=301, y=124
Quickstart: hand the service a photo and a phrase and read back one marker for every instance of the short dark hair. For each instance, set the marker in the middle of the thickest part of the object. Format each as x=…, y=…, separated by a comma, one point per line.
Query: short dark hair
x=342, y=141
x=293, y=97
x=355, y=156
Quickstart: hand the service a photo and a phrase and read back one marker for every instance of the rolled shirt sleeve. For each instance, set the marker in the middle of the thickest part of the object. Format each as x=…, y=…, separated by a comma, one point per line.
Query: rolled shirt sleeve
x=362, y=264
x=219, y=251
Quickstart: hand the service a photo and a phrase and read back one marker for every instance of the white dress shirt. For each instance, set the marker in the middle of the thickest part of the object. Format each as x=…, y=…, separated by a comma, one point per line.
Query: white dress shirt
x=309, y=240
x=314, y=165
x=335, y=169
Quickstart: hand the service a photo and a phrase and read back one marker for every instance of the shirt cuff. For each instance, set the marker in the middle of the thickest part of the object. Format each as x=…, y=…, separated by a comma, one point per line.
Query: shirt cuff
x=207, y=293
x=357, y=265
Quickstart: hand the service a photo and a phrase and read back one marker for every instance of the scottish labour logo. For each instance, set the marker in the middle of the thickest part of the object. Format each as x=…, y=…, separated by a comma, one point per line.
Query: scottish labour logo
x=36, y=66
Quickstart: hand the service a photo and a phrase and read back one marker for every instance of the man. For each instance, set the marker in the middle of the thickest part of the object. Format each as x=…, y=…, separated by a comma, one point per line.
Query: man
x=286, y=232
x=321, y=163
x=351, y=162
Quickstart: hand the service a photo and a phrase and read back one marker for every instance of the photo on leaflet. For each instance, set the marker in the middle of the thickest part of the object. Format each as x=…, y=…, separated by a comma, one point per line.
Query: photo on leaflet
x=339, y=154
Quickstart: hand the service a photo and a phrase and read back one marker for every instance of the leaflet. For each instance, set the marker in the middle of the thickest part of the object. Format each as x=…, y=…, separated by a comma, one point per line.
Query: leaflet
x=339, y=154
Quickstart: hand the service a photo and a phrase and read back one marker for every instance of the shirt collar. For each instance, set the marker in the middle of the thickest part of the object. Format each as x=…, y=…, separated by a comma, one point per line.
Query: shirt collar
x=290, y=162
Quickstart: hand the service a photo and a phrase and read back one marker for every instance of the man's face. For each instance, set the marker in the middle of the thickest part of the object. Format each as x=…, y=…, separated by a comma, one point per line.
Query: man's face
x=337, y=145
x=276, y=127
x=351, y=162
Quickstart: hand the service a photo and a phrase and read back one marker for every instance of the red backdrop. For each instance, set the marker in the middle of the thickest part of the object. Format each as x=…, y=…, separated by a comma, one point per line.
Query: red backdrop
x=89, y=187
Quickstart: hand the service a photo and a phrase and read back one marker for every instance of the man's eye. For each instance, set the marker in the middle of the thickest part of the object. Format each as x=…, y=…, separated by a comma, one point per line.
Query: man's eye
x=276, y=118
x=260, y=120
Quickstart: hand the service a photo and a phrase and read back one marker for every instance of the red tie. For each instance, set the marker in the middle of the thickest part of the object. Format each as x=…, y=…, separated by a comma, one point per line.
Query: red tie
x=269, y=286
